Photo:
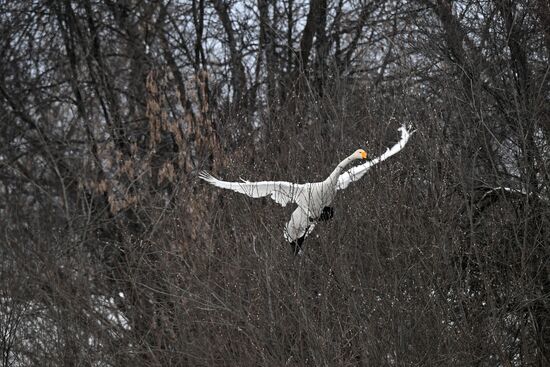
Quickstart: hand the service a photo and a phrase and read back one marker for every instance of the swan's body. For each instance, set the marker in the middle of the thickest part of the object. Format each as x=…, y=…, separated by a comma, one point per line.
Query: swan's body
x=313, y=199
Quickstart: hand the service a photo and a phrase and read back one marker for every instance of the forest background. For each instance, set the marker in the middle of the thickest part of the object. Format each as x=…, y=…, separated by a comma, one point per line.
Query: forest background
x=113, y=253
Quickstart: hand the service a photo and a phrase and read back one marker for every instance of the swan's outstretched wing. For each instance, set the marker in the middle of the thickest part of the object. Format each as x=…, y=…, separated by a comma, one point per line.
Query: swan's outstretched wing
x=281, y=191
x=355, y=173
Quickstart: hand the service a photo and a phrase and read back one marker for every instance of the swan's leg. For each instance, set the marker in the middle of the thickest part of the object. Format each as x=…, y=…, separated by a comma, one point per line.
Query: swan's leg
x=297, y=244
x=295, y=248
x=297, y=229
x=328, y=213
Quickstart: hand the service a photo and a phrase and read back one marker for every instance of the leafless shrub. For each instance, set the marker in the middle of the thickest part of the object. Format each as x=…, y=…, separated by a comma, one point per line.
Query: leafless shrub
x=113, y=253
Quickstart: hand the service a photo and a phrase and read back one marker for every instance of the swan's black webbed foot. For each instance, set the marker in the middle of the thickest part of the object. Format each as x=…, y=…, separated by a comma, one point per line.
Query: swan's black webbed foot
x=328, y=213
x=297, y=244
x=296, y=249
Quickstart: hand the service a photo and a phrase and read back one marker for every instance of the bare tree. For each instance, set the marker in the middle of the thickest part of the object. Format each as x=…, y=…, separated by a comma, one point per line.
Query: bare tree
x=114, y=254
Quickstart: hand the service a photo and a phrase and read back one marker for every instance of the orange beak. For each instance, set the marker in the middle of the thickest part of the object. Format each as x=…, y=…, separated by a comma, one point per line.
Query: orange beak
x=364, y=154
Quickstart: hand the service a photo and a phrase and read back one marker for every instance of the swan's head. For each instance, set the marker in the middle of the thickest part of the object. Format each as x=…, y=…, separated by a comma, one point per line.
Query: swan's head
x=359, y=154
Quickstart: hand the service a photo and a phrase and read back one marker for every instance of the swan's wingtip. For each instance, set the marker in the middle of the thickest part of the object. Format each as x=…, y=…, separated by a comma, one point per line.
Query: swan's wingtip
x=406, y=129
x=206, y=176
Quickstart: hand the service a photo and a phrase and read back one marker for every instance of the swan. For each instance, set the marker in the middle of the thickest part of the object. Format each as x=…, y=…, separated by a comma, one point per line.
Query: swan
x=313, y=199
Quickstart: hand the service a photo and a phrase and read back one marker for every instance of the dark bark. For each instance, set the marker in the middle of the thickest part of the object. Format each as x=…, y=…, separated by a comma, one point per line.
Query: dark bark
x=238, y=76
x=113, y=252
x=310, y=29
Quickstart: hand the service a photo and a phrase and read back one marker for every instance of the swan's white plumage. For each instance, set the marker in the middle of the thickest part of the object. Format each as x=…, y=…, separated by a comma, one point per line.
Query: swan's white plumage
x=281, y=191
x=311, y=198
x=298, y=226
x=355, y=173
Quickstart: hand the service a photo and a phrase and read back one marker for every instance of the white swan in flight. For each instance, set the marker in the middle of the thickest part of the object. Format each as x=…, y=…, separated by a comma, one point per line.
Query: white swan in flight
x=313, y=199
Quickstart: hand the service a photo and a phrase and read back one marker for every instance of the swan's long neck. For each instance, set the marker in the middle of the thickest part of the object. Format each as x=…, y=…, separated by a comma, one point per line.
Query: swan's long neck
x=333, y=178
